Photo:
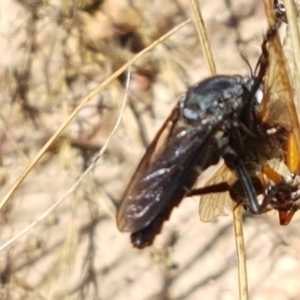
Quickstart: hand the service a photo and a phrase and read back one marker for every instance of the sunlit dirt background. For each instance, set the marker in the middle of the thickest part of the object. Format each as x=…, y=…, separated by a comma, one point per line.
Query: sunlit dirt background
x=52, y=54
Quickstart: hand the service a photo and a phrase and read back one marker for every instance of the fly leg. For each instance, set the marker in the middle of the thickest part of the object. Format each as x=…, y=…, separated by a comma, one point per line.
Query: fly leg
x=212, y=189
x=234, y=163
x=283, y=196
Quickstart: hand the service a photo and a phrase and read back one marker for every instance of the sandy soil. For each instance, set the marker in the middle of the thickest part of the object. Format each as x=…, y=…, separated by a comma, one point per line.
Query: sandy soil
x=52, y=55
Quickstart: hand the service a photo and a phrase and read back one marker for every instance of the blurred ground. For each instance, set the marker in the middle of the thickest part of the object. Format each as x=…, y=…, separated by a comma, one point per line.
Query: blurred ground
x=52, y=54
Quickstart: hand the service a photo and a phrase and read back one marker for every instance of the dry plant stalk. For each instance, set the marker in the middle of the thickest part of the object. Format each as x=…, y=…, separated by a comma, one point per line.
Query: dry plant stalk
x=203, y=37
x=237, y=210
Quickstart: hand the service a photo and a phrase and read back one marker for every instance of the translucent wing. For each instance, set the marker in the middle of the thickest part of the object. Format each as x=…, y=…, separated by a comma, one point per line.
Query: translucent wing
x=278, y=105
x=213, y=205
x=277, y=96
x=291, y=54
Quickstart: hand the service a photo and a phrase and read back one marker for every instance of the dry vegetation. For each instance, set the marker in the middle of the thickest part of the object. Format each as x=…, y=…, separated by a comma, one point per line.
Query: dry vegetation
x=53, y=54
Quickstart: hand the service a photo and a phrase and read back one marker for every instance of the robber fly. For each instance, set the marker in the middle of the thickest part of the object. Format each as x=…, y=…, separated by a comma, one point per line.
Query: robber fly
x=216, y=118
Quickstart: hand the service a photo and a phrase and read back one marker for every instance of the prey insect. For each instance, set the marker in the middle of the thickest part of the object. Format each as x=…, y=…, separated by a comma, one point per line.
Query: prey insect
x=216, y=118
x=276, y=174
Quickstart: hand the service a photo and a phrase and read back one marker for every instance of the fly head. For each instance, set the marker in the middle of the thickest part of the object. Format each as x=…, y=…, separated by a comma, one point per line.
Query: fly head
x=213, y=101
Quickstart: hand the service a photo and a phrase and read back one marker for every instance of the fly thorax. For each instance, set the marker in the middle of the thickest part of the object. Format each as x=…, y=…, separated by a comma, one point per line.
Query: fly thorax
x=213, y=100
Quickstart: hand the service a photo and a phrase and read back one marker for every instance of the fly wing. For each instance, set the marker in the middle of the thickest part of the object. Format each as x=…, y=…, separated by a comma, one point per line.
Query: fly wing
x=291, y=56
x=213, y=205
x=278, y=106
x=165, y=173
x=277, y=96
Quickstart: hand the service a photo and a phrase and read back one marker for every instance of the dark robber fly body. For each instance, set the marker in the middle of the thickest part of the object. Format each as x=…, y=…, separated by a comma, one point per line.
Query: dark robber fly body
x=216, y=118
